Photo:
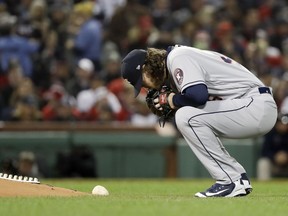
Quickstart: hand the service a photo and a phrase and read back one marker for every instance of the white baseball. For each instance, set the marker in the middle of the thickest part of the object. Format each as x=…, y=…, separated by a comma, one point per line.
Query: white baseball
x=100, y=191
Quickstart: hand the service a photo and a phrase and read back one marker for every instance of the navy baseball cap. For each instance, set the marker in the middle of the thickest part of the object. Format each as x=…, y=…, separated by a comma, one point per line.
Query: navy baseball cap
x=131, y=68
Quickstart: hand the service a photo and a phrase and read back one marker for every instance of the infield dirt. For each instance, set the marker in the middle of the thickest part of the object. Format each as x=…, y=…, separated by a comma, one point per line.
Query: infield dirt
x=10, y=188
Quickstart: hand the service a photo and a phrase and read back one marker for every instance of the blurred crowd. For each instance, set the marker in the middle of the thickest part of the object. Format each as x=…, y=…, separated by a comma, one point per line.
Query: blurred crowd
x=60, y=59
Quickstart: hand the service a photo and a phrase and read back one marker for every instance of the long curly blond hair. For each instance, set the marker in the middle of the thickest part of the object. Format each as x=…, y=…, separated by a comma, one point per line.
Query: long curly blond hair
x=155, y=65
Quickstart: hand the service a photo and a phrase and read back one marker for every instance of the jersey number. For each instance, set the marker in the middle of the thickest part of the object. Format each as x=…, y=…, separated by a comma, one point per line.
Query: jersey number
x=227, y=60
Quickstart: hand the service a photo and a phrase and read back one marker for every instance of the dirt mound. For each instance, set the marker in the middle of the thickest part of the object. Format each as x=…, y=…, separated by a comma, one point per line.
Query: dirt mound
x=10, y=188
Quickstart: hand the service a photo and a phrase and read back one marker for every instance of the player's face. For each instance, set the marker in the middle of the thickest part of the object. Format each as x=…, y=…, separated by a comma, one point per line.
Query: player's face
x=148, y=82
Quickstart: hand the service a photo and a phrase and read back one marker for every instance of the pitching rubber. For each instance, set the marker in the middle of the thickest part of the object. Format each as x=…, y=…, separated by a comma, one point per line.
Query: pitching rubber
x=19, y=178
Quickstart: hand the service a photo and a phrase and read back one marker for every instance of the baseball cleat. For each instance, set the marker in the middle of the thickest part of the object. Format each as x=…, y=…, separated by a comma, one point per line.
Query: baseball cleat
x=228, y=190
x=246, y=183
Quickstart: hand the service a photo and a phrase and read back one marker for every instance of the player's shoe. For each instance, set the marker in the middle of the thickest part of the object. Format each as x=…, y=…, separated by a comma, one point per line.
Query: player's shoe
x=246, y=183
x=228, y=190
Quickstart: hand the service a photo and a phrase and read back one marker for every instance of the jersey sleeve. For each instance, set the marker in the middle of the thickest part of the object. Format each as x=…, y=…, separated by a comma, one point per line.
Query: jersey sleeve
x=185, y=71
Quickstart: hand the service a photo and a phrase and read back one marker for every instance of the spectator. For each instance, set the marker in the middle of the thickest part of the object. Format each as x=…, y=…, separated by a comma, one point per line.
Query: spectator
x=27, y=165
x=88, y=40
x=104, y=111
x=160, y=12
x=38, y=19
x=125, y=95
x=225, y=41
x=97, y=100
x=111, y=67
x=26, y=110
x=142, y=115
x=59, y=104
x=202, y=40
x=24, y=103
x=82, y=77
x=122, y=21
x=24, y=164
x=59, y=16
x=15, y=47
x=143, y=33
x=109, y=7
x=59, y=72
x=10, y=82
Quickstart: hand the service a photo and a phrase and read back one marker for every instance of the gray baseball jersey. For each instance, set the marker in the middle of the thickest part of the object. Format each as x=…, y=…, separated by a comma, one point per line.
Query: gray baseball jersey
x=247, y=108
x=223, y=76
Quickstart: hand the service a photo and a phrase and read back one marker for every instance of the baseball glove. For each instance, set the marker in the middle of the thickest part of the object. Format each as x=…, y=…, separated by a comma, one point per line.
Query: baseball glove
x=165, y=112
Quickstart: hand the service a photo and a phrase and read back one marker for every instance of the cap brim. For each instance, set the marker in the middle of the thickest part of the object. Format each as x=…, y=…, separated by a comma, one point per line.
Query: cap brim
x=131, y=68
x=138, y=86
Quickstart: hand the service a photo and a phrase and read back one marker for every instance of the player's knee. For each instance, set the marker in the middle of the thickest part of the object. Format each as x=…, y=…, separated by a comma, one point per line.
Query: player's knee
x=187, y=116
x=182, y=117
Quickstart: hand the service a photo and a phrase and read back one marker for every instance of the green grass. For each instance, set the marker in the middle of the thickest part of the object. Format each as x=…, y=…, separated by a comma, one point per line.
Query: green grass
x=151, y=197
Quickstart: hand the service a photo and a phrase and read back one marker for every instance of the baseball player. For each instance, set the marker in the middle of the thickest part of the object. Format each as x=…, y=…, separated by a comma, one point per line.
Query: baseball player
x=215, y=97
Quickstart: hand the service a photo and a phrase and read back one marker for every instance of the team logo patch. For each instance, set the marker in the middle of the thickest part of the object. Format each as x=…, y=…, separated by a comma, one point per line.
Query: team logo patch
x=178, y=73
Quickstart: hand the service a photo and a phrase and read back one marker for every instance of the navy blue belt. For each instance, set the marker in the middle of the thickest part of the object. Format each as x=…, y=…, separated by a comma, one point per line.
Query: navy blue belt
x=263, y=90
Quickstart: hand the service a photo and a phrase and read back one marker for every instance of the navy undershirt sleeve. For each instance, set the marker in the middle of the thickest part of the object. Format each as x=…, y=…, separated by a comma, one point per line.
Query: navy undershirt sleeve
x=196, y=95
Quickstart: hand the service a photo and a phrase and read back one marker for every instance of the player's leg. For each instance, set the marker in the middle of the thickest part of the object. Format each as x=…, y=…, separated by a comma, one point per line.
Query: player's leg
x=229, y=118
x=239, y=167
x=206, y=146
x=208, y=149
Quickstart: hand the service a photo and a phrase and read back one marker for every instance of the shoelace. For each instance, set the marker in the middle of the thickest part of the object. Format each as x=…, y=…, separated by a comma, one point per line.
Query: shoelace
x=216, y=187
